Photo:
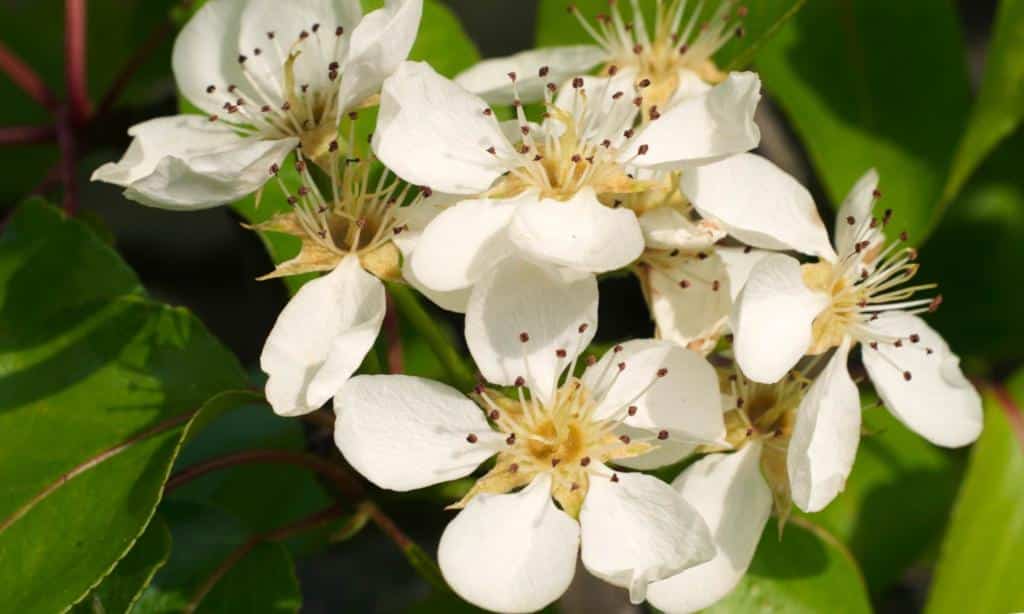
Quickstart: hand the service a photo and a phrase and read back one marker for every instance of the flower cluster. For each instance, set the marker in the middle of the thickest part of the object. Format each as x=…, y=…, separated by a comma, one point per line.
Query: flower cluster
x=638, y=158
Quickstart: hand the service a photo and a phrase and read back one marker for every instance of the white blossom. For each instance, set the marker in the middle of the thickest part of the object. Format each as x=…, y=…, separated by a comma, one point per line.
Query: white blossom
x=548, y=192
x=860, y=296
x=557, y=437
x=270, y=77
x=673, y=52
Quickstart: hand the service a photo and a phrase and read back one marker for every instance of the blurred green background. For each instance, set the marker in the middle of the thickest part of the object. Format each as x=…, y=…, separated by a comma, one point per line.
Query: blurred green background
x=849, y=84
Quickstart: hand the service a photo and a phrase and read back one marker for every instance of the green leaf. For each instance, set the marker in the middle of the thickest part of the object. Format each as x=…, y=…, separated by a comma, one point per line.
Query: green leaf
x=261, y=496
x=96, y=386
x=557, y=26
x=1000, y=105
x=215, y=568
x=873, y=84
x=981, y=565
x=896, y=501
x=443, y=42
x=975, y=254
x=807, y=571
x=121, y=589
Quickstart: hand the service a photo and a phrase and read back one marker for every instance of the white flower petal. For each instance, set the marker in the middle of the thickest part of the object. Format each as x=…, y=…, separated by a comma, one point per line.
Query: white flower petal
x=730, y=493
x=772, y=319
x=825, y=436
x=464, y=242
x=759, y=204
x=667, y=228
x=405, y=433
x=690, y=85
x=433, y=133
x=938, y=402
x=685, y=400
x=580, y=233
x=739, y=262
x=489, y=79
x=315, y=51
x=206, y=53
x=555, y=314
x=510, y=553
x=638, y=530
x=857, y=206
x=703, y=128
x=380, y=43
x=602, y=102
x=186, y=162
x=699, y=310
x=665, y=453
x=321, y=337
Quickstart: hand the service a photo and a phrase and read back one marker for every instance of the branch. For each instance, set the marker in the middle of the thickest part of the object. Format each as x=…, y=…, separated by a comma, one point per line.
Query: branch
x=26, y=135
x=309, y=522
x=25, y=78
x=408, y=304
x=346, y=484
x=393, y=332
x=76, y=77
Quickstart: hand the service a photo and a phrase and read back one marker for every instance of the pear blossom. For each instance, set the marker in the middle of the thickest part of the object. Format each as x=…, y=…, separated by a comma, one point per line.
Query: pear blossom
x=351, y=233
x=556, y=438
x=270, y=77
x=783, y=452
x=548, y=192
x=673, y=53
x=859, y=296
x=689, y=276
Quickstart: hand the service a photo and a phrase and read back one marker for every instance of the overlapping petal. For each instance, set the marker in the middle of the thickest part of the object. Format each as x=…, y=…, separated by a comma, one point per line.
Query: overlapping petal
x=404, y=433
x=759, y=204
x=670, y=387
x=380, y=43
x=825, y=437
x=511, y=553
x=730, y=493
x=433, y=133
x=186, y=162
x=637, y=529
x=321, y=337
x=703, y=128
x=490, y=80
x=580, y=233
x=520, y=315
x=772, y=319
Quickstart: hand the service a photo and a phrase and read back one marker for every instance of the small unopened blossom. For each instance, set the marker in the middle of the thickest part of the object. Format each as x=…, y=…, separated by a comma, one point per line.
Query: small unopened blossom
x=690, y=279
x=556, y=438
x=785, y=453
x=863, y=296
x=546, y=191
x=270, y=77
x=354, y=233
x=673, y=53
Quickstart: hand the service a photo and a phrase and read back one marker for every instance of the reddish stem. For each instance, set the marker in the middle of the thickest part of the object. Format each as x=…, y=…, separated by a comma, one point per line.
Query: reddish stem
x=76, y=77
x=26, y=135
x=345, y=483
x=25, y=78
x=305, y=524
x=393, y=330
